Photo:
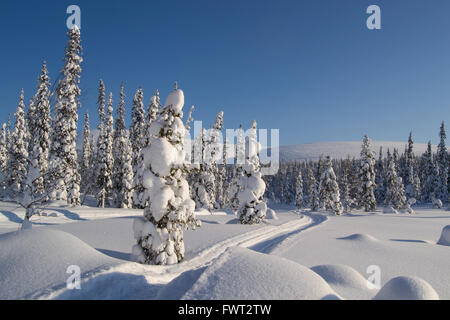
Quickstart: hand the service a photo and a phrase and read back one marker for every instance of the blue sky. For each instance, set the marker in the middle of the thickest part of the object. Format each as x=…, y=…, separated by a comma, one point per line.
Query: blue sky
x=308, y=67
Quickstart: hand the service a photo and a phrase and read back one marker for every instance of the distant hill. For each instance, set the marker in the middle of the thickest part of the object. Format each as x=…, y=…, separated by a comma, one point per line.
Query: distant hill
x=341, y=149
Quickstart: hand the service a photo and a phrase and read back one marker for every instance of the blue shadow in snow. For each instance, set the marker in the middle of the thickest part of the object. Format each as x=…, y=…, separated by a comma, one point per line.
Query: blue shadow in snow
x=11, y=216
x=69, y=214
x=115, y=254
x=408, y=240
x=16, y=219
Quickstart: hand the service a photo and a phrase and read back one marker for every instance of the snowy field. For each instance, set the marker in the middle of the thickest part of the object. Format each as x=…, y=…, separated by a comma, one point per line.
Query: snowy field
x=296, y=256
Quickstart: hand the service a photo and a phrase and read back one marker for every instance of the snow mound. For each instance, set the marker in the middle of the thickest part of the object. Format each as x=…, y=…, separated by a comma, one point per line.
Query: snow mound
x=341, y=275
x=445, y=236
x=36, y=259
x=271, y=214
x=407, y=288
x=242, y=274
x=362, y=237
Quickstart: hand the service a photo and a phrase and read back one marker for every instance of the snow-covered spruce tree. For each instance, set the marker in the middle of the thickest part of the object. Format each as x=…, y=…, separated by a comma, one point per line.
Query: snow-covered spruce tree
x=138, y=136
x=313, y=191
x=320, y=166
x=18, y=152
x=222, y=182
x=380, y=191
x=105, y=156
x=367, y=185
x=347, y=201
x=431, y=174
x=203, y=182
x=416, y=187
x=140, y=196
x=396, y=157
x=63, y=153
x=252, y=208
x=442, y=163
x=299, y=190
x=213, y=154
x=101, y=103
x=122, y=177
x=411, y=191
x=235, y=187
x=86, y=170
x=38, y=120
x=3, y=149
x=152, y=114
x=159, y=233
x=329, y=189
x=395, y=194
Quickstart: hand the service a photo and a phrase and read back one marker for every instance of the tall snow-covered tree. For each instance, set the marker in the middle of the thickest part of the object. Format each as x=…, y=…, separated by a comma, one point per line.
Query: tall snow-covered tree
x=63, y=153
x=299, y=190
x=442, y=163
x=39, y=122
x=347, y=201
x=380, y=191
x=18, y=151
x=252, y=208
x=140, y=196
x=223, y=183
x=152, y=114
x=122, y=178
x=101, y=103
x=105, y=156
x=86, y=169
x=138, y=138
x=213, y=154
x=235, y=187
x=329, y=189
x=367, y=185
x=313, y=191
x=203, y=182
x=159, y=233
x=395, y=194
x=431, y=174
x=410, y=176
x=137, y=129
x=3, y=149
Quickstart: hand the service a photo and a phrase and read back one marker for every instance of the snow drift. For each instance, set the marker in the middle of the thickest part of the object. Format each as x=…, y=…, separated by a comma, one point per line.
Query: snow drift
x=341, y=275
x=445, y=236
x=240, y=274
x=35, y=259
x=407, y=288
x=360, y=237
x=345, y=280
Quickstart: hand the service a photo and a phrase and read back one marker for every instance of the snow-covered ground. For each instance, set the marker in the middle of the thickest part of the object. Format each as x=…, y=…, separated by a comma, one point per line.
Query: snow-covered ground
x=297, y=256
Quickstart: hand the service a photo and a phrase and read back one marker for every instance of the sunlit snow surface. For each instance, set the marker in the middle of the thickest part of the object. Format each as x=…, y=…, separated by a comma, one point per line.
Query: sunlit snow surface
x=297, y=256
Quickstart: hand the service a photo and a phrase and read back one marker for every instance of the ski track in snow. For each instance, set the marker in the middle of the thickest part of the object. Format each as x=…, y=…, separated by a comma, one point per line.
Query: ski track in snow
x=286, y=240
x=265, y=240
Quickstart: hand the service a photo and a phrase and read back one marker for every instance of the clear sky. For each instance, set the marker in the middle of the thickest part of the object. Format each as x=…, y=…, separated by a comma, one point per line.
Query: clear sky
x=310, y=68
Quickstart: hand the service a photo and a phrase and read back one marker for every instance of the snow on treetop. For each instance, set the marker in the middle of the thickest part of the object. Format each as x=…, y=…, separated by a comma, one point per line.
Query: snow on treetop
x=175, y=99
